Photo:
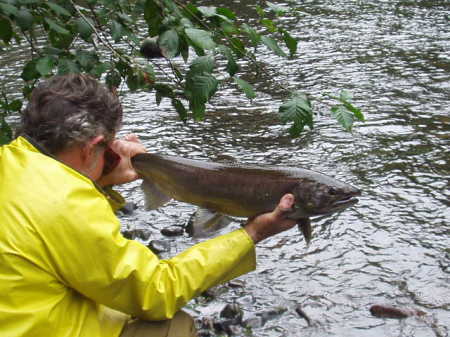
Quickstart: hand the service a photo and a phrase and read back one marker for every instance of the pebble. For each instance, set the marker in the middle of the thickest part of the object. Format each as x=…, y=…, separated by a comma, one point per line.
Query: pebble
x=172, y=231
x=236, y=284
x=128, y=208
x=140, y=233
x=388, y=311
x=158, y=246
x=301, y=313
x=232, y=311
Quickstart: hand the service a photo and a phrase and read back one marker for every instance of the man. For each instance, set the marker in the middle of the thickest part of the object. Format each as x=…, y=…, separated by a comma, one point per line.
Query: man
x=65, y=268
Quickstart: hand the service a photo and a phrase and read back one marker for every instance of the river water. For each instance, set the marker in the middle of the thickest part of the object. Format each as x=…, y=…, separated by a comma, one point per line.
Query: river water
x=393, y=247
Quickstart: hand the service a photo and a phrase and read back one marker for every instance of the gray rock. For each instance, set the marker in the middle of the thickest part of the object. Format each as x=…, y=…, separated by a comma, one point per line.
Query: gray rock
x=158, y=246
x=233, y=312
x=172, y=231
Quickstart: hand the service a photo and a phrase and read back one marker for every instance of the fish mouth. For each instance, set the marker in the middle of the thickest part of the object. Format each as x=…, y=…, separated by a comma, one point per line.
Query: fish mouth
x=341, y=204
x=344, y=203
x=347, y=200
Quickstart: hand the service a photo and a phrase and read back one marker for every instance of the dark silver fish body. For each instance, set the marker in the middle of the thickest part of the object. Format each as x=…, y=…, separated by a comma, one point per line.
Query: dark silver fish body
x=243, y=190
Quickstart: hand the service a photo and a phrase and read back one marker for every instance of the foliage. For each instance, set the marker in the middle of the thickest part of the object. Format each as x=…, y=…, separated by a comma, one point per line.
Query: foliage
x=104, y=38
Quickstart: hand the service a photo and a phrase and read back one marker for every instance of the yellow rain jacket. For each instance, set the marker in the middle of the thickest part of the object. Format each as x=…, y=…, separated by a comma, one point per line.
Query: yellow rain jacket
x=65, y=268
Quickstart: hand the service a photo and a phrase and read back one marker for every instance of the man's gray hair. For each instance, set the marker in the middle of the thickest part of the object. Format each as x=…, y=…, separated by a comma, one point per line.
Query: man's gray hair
x=70, y=109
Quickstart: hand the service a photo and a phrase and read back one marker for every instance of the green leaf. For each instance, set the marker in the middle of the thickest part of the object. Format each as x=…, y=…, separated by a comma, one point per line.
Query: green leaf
x=198, y=109
x=254, y=36
x=290, y=42
x=84, y=28
x=208, y=12
x=24, y=19
x=8, y=9
x=169, y=43
x=15, y=105
x=99, y=69
x=273, y=45
x=113, y=79
x=158, y=98
x=279, y=10
x=117, y=31
x=56, y=27
x=67, y=66
x=298, y=110
x=153, y=17
x=163, y=90
x=201, y=38
x=135, y=80
x=45, y=65
x=184, y=48
x=29, y=71
x=202, y=64
x=260, y=11
x=58, y=9
x=237, y=46
x=345, y=98
x=60, y=41
x=179, y=107
x=5, y=132
x=229, y=28
x=245, y=87
x=87, y=59
x=269, y=24
x=6, y=31
x=211, y=12
x=151, y=75
x=232, y=66
x=343, y=116
x=201, y=87
x=226, y=12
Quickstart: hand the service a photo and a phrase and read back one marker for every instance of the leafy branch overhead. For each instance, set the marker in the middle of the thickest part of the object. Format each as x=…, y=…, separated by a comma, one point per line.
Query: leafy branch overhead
x=104, y=38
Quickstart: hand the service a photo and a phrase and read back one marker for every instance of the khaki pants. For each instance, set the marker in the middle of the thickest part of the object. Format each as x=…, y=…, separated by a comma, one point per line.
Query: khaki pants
x=181, y=325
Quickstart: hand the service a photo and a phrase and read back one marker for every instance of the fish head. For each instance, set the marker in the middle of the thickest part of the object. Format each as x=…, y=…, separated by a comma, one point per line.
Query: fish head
x=321, y=194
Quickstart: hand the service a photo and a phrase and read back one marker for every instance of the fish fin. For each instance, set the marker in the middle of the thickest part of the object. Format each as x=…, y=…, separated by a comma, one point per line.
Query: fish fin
x=205, y=222
x=304, y=225
x=154, y=197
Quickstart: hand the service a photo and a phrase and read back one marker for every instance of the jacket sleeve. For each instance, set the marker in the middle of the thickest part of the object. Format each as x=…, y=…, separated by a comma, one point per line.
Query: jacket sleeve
x=90, y=255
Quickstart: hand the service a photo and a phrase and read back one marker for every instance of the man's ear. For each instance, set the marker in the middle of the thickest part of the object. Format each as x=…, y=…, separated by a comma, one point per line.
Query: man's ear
x=89, y=150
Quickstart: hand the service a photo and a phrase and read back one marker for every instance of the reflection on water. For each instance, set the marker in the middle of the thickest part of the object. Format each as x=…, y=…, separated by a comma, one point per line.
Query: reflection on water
x=393, y=247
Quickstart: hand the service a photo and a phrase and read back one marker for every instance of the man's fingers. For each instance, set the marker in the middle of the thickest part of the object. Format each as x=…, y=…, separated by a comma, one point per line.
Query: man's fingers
x=284, y=207
x=286, y=203
x=132, y=138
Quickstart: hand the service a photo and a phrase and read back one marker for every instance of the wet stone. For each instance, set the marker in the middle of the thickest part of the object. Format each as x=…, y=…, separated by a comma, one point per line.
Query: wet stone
x=158, y=246
x=172, y=231
x=232, y=311
x=272, y=313
x=214, y=292
x=299, y=310
x=139, y=233
x=142, y=234
x=236, y=284
x=228, y=326
x=128, y=234
x=206, y=323
x=128, y=208
x=254, y=322
x=247, y=299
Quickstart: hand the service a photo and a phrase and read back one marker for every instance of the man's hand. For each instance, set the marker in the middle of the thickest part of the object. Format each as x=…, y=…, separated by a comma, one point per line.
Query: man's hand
x=269, y=224
x=126, y=148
